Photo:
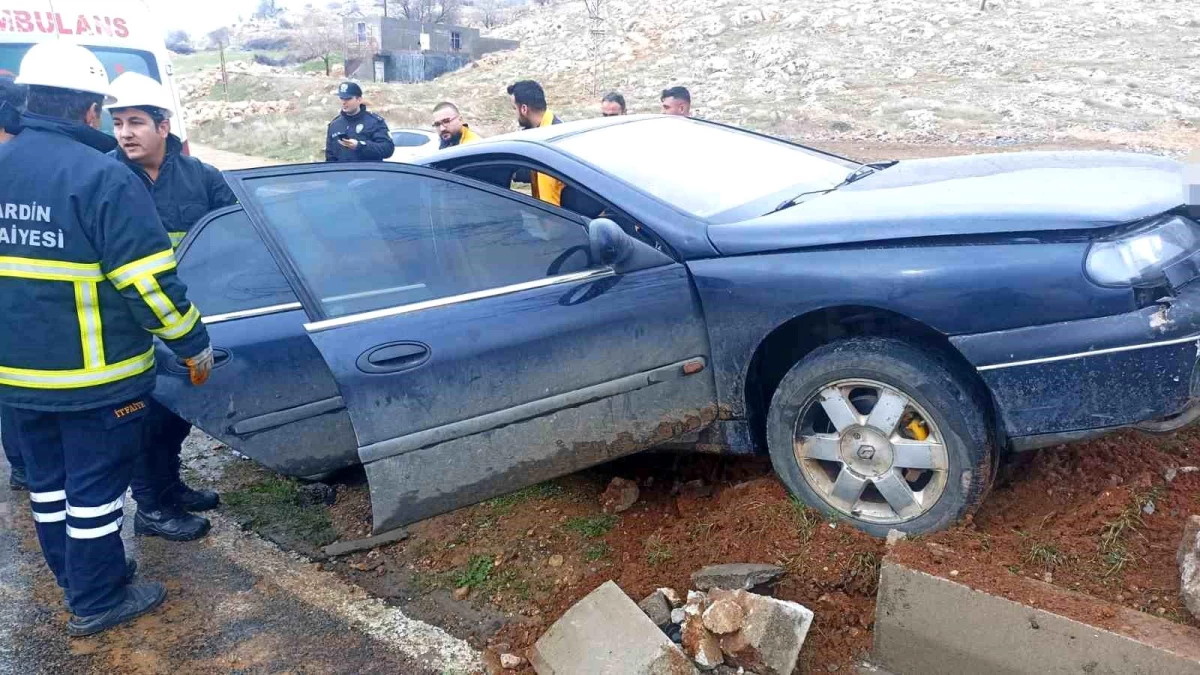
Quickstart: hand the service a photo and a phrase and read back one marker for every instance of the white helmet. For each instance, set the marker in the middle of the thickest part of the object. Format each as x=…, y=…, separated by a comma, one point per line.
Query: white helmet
x=64, y=66
x=132, y=90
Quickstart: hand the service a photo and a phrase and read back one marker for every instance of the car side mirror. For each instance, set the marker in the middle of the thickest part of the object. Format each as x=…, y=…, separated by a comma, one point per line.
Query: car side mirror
x=615, y=248
x=610, y=245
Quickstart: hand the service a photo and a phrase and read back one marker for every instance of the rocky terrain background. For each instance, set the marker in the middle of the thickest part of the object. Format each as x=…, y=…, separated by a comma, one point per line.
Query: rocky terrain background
x=914, y=71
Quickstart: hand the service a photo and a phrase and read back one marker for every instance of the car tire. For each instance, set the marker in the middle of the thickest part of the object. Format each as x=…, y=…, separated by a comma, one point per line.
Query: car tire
x=957, y=453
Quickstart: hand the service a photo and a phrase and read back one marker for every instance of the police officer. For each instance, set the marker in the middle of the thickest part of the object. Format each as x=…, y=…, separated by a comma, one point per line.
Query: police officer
x=357, y=135
x=87, y=276
x=184, y=189
x=12, y=102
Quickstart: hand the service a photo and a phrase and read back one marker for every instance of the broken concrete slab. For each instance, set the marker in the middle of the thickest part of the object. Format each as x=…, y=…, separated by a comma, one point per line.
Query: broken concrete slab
x=1188, y=558
x=734, y=576
x=657, y=608
x=344, y=547
x=606, y=633
x=927, y=624
x=771, y=635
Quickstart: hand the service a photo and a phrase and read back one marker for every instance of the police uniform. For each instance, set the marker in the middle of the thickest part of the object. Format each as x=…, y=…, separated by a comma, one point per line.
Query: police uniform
x=186, y=190
x=370, y=130
x=87, y=276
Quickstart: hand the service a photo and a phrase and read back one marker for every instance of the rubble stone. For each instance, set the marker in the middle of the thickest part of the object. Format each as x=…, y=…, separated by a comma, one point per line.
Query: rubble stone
x=678, y=615
x=771, y=635
x=724, y=616
x=606, y=633
x=620, y=496
x=511, y=661
x=671, y=596
x=1188, y=558
x=894, y=536
x=657, y=608
x=700, y=645
x=733, y=576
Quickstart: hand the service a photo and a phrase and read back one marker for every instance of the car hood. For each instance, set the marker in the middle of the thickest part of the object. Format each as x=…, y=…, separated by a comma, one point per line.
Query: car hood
x=971, y=195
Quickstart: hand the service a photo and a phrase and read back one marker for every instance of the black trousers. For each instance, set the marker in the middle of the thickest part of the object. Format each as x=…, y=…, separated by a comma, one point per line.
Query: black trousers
x=156, y=472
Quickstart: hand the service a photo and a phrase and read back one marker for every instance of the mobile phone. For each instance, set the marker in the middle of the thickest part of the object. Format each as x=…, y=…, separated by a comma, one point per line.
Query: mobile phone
x=340, y=135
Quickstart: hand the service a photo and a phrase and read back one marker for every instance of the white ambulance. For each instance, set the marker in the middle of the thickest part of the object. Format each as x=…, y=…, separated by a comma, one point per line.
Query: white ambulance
x=124, y=34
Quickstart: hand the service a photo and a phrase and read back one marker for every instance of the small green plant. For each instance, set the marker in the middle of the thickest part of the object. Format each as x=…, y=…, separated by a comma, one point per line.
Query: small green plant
x=657, y=551
x=479, y=568
x=1046, y=555
x=505, y=503
x=806, y=519
x=864, y=566
x=597, y=551
x=273, y=505
x=1114, y=537
x=592, y=526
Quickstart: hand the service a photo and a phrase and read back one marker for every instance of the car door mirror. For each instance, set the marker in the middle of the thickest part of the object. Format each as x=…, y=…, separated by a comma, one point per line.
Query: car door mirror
x=613, y=247
x=610, y=245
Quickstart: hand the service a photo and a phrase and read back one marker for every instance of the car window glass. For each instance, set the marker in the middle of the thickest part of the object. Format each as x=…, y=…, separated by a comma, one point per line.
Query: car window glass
x=228, y=269
x=405, y=139
x=365, y=240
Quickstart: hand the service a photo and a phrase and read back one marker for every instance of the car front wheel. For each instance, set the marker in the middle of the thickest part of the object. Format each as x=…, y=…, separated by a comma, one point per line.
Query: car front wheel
x=882, y=434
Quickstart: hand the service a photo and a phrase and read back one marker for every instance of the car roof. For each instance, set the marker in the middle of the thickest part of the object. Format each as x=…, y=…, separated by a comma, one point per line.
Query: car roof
x=555, y=132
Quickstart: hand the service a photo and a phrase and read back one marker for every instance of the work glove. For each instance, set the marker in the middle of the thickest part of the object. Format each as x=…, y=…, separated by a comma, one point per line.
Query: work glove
x=200, y=365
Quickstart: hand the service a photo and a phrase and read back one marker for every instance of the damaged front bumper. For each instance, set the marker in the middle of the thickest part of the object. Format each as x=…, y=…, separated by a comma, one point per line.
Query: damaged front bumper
x=1072, y=380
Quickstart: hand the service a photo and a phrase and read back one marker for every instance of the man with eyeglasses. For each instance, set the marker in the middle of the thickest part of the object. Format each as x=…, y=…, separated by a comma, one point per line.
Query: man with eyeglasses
x=612, y=105
x=449, y=124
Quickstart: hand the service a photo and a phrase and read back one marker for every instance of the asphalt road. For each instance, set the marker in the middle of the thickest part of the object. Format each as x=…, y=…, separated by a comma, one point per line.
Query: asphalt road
x=236, y=605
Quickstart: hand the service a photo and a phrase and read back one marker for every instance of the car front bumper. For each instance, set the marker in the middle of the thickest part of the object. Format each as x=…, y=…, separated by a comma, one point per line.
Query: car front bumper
x=1062, y=381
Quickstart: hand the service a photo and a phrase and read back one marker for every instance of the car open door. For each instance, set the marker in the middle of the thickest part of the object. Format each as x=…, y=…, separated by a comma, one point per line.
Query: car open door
x=271, y=396
x=476, y=345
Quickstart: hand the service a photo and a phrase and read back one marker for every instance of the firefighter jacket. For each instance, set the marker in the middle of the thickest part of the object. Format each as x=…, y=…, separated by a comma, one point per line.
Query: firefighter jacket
x=363, y=126
x=87, y=274
x=185, y=191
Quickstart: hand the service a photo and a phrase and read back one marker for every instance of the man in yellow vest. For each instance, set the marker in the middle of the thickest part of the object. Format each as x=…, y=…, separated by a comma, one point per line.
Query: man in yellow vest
x=449, y=124
x=529, y=101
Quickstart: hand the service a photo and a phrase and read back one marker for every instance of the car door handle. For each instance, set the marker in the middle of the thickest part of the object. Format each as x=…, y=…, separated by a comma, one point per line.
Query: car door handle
x=393, y=357
x=220, y=357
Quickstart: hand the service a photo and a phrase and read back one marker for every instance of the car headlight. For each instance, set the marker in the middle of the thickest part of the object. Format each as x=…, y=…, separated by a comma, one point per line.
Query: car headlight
x=1139, y=258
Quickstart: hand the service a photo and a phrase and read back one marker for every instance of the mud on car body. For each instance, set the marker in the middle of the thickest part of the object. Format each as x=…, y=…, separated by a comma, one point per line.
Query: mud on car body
x=885, y=332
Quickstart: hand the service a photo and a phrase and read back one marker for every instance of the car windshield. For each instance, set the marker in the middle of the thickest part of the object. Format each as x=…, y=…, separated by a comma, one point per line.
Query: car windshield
x=704, y=169
x=116, y=61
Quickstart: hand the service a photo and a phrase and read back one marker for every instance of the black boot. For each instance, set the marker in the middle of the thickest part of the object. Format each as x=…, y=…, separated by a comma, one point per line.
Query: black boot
x=16, y=480
x=139, y=599
x=193, y=500
x=169, y=522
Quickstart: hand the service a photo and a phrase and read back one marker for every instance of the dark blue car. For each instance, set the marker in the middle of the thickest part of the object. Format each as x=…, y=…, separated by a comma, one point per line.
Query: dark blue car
x=886, y=332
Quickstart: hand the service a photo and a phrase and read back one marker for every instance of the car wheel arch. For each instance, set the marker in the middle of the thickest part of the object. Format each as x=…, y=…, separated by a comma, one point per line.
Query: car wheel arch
x=792, y=340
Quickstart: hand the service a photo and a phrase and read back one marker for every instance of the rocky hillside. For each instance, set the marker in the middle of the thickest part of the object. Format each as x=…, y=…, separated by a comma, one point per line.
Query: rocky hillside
x=1018, y=71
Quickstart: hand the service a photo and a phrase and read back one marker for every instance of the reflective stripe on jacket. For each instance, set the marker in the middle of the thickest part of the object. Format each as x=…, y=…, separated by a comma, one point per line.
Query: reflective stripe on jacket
x=87, y=274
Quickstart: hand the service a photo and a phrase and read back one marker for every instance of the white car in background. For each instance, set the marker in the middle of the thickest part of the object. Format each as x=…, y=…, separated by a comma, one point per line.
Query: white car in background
x=413, y=144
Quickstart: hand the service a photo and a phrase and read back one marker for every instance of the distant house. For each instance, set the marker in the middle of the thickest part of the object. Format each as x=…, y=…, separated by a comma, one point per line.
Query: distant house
x=382, y=49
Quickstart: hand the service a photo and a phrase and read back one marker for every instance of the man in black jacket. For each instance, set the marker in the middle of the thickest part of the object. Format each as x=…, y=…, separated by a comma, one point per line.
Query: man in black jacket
x=357, y=135
x=184, y=190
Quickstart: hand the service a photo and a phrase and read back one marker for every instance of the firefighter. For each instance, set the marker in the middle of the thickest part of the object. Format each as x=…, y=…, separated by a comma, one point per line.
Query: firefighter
x=87, y=278
x=451, y=128
x=183, y=189
x=529, y=102
x=357, y=135
x=12, y=102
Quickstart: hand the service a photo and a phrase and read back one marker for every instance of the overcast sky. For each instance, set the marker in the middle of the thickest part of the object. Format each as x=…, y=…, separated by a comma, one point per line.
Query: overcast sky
x=200, y=16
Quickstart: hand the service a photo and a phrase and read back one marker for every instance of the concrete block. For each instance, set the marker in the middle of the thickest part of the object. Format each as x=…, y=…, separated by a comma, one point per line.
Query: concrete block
x=607, y=634
x=734, y=576
x=932, y=626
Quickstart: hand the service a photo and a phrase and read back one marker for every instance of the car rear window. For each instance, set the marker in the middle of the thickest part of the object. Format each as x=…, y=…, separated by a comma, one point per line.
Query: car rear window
x=116, y=62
